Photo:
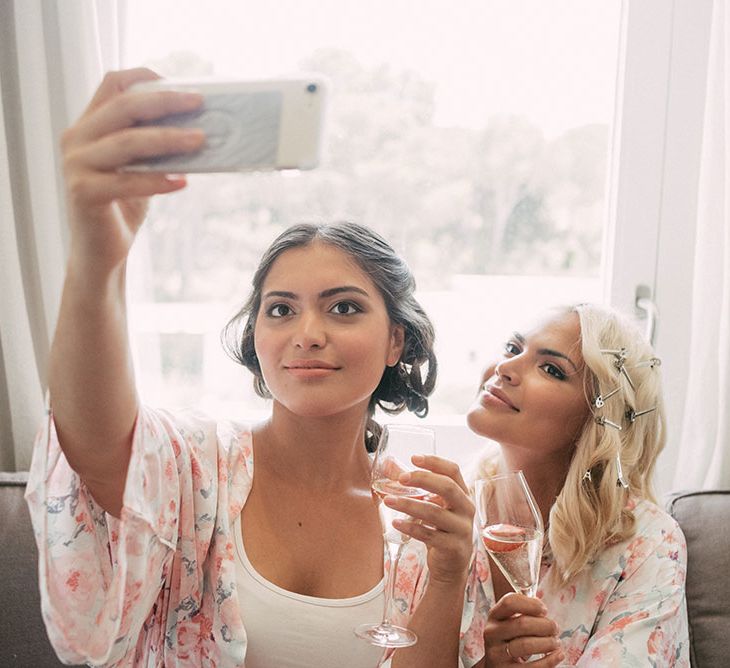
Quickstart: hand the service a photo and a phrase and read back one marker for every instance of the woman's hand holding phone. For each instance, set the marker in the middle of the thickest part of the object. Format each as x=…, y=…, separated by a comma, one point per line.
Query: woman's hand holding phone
x=106, y=206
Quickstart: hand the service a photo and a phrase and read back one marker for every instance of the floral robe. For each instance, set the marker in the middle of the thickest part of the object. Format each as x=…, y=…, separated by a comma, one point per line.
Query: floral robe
x=157, y=587
x=625, y=609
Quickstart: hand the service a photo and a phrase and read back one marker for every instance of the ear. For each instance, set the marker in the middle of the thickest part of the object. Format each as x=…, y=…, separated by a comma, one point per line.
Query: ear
x=397, y=343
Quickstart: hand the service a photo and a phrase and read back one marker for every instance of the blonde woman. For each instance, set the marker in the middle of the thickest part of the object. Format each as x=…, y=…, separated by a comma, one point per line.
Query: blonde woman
x=575, y=402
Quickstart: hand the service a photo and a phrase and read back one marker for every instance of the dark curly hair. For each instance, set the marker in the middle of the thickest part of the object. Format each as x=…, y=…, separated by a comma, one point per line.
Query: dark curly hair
x=401, y=386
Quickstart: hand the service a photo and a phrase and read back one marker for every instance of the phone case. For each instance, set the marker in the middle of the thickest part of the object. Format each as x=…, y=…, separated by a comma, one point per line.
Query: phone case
x=245, y=127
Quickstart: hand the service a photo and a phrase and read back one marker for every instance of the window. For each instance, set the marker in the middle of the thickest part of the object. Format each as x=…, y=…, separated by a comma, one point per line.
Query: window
x=475, y=136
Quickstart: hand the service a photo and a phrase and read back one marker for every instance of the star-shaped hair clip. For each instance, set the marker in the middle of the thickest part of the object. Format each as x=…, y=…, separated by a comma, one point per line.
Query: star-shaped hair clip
x=652, y=362
x=631, y=414
x=600, y=400
x=620, y=362
x=621, y=480
x=605, y=422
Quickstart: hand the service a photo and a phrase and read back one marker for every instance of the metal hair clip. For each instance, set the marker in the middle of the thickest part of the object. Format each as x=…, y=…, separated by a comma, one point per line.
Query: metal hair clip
x=587, y=476
x=600, y=400
x=621, y=354
x=620, y=474
x=622, y=370
x=619, y=362
x=631, y=414
x=607, y=423
x=651, y=362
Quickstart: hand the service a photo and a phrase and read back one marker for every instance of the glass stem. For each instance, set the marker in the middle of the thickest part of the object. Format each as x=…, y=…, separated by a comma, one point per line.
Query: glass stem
x=394, y=552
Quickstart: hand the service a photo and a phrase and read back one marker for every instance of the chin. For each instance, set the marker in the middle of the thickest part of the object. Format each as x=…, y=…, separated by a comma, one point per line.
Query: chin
x=322, y=407
x=478, y=421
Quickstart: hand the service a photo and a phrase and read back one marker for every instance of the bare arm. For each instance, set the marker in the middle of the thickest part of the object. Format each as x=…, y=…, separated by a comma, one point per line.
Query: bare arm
x=91, y=378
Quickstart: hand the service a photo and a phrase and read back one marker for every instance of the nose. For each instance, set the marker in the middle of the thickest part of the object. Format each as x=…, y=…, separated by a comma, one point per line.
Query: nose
x=508, y=370
x=310, y=332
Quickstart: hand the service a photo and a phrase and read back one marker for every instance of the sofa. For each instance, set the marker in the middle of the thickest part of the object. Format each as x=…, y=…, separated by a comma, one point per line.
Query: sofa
x=23, y=639
x=704, y=518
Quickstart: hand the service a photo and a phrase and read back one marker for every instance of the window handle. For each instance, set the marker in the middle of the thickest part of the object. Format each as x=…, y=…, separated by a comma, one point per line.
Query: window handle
x=648, y=310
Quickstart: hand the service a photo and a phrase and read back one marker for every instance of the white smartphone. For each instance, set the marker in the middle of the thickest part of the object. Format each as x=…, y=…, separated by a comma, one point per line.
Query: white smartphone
x=249, y=125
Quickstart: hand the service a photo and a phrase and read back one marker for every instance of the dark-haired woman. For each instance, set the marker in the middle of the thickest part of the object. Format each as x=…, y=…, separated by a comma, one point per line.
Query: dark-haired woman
x=170, y=539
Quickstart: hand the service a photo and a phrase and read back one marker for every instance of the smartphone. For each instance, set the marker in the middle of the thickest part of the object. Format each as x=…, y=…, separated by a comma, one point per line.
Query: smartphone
x=249, y=125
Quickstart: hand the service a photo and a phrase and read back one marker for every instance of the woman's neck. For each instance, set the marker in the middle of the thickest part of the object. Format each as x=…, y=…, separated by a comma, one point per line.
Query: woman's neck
x=322, y=452
x=545, y=474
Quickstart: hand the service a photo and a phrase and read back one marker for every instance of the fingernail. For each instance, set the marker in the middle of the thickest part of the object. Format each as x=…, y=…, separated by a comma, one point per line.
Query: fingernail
x=178, y=180
x=193, y=136
x=404, y=477
x=191, y=98
x=418, y=459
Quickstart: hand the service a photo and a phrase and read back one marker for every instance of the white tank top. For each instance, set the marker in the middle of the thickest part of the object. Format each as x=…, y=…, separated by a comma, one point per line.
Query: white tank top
x=288, y=630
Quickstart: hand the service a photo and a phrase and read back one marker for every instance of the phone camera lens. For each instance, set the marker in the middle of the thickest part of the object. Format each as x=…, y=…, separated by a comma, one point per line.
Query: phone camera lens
x=312, y=88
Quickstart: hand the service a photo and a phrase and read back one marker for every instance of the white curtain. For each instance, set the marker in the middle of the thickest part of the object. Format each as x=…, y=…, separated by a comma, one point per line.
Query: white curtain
x=704, y=460
x=52, y=56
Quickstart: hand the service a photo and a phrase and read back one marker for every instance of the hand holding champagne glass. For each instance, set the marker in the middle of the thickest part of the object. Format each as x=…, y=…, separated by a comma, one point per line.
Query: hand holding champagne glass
x=397, y=444
x=511, y=528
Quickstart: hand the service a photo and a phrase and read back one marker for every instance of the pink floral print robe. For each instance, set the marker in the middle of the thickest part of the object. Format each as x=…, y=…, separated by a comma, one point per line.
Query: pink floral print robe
x=627, y=609
x=156, y=587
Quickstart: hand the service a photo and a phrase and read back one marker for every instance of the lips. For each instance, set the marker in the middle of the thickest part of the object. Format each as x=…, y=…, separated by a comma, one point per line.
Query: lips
x=310, y=364
x=490, y=391
x=310, y=368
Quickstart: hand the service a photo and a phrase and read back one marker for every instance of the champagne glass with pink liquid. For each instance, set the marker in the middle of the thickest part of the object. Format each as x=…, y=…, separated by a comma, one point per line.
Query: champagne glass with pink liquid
x=396, y=446
x=510, y=526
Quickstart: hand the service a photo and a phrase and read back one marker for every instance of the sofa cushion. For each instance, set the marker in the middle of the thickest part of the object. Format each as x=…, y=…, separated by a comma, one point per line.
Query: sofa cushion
x=705, y=520
x=23, y=639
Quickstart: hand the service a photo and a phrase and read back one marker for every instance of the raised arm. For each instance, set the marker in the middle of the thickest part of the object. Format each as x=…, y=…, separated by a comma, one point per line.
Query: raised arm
x=91, y=378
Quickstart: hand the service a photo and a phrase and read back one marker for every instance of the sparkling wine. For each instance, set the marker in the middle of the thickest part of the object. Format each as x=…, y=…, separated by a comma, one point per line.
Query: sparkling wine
x=383, y=487
x=517, y=553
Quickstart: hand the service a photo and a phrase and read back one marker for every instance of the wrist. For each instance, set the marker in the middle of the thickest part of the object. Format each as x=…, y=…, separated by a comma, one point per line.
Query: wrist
x=451, y=583
x=91, y=274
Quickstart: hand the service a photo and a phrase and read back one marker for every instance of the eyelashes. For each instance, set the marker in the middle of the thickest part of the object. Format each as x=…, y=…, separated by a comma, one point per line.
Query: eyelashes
x=551, y=369
x=340, y=308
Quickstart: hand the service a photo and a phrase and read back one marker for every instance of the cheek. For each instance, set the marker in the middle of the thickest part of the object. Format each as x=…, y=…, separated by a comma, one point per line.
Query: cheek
x=569, y=415
x=264, y=347
x=368, y=353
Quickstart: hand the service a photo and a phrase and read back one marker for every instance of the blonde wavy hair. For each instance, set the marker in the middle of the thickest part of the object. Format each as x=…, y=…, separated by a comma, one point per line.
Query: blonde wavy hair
x=591, y=510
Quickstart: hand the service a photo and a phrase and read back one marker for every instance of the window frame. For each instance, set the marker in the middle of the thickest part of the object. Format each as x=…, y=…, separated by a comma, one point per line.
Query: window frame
x=653, y=185
x=651, y=194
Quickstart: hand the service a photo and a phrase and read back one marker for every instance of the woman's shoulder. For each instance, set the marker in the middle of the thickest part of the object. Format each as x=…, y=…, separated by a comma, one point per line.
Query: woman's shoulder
x=213, y=453
x=651, y=520
x=199, y=432
x=656, y=536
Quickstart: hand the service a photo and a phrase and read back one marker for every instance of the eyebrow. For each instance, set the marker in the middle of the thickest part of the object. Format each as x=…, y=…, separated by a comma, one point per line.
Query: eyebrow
x=330, y=292
x=546, y=351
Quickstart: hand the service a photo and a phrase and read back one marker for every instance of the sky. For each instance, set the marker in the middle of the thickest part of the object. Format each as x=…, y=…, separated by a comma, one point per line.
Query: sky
x=552, y=61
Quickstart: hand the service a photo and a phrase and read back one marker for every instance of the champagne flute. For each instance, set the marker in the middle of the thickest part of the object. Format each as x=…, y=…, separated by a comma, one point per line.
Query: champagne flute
x=510, y=526
x=396, y=446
